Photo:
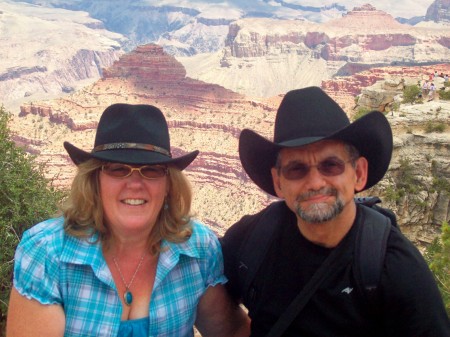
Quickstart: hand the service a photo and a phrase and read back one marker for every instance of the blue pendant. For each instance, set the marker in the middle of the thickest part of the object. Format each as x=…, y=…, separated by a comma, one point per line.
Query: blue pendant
x=128, y=297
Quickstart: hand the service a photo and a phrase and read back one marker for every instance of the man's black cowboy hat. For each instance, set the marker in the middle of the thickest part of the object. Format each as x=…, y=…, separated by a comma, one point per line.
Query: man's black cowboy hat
x=307, y=116
x=131, y=134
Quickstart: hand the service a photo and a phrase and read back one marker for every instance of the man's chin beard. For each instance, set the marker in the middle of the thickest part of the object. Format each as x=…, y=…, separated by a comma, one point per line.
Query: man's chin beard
x=320, y=212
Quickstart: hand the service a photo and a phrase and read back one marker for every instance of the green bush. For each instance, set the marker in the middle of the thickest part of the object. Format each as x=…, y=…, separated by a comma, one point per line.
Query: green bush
x=404, y=183
x=393, y=195
x=395, y=106
x=26, y=197
x=444, y=95
x=435, y=127
x=411, y=94
x=438, y=257
x=407, y=178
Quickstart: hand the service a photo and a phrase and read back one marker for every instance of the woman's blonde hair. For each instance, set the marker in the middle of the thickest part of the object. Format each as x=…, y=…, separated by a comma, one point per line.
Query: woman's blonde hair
x=83, y=211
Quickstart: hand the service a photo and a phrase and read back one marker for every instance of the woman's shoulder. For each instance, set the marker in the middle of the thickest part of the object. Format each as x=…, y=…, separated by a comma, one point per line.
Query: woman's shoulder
x=48, y=234
x=200, y=231
x=203, y=240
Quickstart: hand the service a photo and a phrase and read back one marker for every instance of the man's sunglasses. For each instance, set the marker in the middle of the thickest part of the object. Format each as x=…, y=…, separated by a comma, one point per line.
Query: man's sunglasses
x=122, y=170
x=328, y=167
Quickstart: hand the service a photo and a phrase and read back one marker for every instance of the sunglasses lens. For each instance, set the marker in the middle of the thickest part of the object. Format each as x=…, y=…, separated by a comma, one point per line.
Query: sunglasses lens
x=153, y=172
x=117, y=170
x=331, y=167
x=295, y=171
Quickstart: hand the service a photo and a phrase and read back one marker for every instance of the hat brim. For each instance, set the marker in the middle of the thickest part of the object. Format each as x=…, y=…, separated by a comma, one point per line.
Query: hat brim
x=370, y=134
x=128, y=156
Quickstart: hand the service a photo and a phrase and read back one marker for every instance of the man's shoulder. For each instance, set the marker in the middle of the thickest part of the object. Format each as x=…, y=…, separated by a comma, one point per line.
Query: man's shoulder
x=258, y=224
x=249, y=221
x=275, y=208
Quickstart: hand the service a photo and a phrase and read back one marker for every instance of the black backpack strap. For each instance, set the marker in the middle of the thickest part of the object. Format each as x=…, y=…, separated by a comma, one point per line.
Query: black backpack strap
x=370, y=250
x=255, y=246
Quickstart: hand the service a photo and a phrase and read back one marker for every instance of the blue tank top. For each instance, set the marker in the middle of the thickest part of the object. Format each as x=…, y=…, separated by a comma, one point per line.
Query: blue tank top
x=134, y=328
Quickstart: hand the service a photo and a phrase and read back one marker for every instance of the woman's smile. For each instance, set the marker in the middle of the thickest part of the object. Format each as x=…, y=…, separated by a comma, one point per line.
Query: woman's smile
x=134, y=202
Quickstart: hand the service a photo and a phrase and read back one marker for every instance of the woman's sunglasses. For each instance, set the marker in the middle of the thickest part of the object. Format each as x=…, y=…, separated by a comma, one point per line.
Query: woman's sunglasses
x=123, y=170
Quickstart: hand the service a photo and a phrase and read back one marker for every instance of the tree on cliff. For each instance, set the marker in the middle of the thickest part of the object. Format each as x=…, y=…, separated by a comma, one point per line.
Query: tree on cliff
x=26, y=197
x=438, y=257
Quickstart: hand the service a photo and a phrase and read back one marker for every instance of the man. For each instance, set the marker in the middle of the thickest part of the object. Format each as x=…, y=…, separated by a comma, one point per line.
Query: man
x=316, y=164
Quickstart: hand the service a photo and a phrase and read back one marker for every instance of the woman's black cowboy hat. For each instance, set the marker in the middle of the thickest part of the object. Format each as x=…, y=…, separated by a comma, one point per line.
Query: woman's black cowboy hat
x=307, y=116
x=131, y=134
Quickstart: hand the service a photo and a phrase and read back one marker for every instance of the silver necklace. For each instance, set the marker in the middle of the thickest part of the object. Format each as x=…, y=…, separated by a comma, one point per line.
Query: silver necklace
x=127, y=295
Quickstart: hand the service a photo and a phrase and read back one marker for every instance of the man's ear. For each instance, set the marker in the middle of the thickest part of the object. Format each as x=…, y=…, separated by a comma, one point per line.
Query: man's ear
x=276, y=182
x=361, y=170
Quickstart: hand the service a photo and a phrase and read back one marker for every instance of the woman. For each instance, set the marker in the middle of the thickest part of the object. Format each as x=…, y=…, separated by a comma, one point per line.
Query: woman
x=125, y=259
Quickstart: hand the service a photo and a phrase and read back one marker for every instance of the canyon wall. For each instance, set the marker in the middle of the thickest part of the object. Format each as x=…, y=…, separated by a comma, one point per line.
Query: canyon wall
x=267, y=56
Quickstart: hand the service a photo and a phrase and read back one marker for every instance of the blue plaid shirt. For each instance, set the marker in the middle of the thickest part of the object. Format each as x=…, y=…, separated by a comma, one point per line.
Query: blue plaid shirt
x=55, y=268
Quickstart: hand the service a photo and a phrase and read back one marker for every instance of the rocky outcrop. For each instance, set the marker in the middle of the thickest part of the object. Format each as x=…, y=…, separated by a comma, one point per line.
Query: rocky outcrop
x=381, y=94
x=17, y=83
x=439, y=11
x=17, y=72
x=147, y=64
x=417, y=186
x=346, y=88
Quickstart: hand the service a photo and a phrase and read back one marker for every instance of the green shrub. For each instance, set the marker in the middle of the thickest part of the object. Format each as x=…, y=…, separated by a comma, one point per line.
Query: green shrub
x=441, y=184
x=395, y=106
x=404, y=183
x=444, y=95
x=434, y=127
x=411, y=93
x=392, y=194
x=438, y=257
x=26, y=197
x=407, y=178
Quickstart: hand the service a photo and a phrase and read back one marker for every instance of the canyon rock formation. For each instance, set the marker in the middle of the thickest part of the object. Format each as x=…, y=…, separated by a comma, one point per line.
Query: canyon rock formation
x=439, y=11
x=346, y=88
x=266, y=56
x=47, y=52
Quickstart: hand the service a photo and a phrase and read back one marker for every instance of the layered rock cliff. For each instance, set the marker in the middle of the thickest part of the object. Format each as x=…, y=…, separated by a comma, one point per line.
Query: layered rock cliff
x=417, y=186
x=439, y=11
x=346, y=88
x=265, y=57
x=50, y=52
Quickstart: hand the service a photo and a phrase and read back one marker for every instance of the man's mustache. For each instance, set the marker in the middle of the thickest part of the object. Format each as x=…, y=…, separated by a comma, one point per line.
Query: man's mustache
x=323, y=191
